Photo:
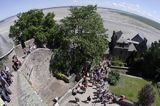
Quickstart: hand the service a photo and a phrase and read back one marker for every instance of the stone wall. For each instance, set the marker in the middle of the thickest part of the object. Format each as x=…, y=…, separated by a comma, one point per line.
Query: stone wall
x=36, y=70
x=18, y=49
x=27, y=95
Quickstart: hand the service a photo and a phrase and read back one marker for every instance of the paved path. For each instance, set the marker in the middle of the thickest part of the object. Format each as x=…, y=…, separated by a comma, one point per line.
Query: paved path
x=70, y=101
x=22, y=92
x=34, y=92
x=13, y=87
x=131, y=76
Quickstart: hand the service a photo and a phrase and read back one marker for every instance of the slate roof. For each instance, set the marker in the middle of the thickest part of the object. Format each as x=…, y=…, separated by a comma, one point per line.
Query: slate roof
x=122, y=40
x=126, y=43
x=138, y=38
x=118, y=34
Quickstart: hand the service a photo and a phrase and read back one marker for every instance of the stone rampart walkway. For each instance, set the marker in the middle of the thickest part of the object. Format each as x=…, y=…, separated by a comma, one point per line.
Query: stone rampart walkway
x=27, y=95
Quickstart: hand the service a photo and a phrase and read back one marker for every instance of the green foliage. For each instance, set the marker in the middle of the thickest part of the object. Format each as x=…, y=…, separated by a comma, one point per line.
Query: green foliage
x=113, y=77
x=146, y=96
x=83, y=38
x=14, y=31
x=152, y=60
x=83, y=20
x=48, y=21
x=80, y=37
x=148, y=63
x=130, y=87
x=61, y=76
x=59, y=61
x=117, y=62
x=34, y=24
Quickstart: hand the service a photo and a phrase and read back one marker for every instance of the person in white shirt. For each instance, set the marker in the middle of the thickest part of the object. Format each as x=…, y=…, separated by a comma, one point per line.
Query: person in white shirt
x=57, y=104
x=56, y=101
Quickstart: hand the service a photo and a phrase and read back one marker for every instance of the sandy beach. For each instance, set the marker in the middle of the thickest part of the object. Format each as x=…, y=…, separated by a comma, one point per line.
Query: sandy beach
x=112, y=21
x=115, y=21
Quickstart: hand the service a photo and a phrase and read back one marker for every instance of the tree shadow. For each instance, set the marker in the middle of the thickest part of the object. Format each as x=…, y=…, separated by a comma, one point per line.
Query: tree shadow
x=126, y=103
x=96, y=101
x=94, y=98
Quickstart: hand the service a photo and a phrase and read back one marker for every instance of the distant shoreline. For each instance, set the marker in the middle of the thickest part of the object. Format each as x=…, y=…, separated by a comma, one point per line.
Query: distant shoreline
x=114, y=20
x=111, y=9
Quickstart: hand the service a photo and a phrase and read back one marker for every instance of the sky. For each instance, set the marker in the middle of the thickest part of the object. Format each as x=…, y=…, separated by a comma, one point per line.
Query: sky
x=146, y=8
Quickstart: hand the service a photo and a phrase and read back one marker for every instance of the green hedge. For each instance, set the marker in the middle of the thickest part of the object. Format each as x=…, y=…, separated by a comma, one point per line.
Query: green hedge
x=113, y=77
x=117, y=63
x=61, y=76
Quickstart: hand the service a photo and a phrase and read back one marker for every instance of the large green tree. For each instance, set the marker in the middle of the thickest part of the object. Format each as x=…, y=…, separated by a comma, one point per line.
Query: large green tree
x=83, y=39
x=35, y=24
x=152, y=61
x=148, y=63
x=25, y=23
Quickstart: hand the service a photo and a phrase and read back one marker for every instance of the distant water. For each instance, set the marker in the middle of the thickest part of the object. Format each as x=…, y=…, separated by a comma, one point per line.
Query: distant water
x=5, y=46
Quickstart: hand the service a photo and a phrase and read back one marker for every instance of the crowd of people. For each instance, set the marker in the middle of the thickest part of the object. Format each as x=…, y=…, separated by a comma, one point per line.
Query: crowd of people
x=16, y=62
x=96, y=78
x=5, y=82
x=6, y=76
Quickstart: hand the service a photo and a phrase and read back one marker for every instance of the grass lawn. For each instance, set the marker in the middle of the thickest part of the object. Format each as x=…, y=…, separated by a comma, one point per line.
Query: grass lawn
x=130, y=87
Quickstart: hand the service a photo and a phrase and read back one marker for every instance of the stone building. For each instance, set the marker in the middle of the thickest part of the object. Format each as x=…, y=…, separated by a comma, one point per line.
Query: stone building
x=122, y=47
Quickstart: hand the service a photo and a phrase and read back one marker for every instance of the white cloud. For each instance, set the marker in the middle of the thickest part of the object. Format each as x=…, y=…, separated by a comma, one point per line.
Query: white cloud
x=75, y=1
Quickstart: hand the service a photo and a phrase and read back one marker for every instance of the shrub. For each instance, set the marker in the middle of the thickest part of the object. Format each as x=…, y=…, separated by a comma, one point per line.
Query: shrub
x=146, y=96
x=116, y=61
x=113, y=77
x=61, y=76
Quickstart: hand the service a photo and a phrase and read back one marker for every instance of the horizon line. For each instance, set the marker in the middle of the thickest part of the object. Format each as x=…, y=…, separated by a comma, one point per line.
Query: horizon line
x=77, y=6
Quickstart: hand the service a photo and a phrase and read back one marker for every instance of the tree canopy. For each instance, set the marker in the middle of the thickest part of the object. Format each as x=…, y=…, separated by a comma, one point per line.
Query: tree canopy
x=152, y=60
x=34, y=24
x=79, y=37
x=148, y=63
x=84, y=38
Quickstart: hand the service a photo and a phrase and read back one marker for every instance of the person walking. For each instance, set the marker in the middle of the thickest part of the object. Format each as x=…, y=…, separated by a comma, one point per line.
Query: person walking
x=89, y=98
x=23, y=45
